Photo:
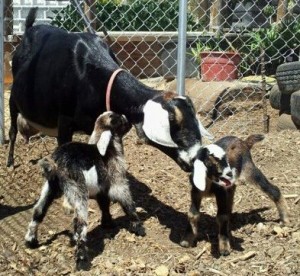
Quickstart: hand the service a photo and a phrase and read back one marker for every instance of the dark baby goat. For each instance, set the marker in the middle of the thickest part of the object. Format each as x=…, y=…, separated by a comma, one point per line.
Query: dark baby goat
x=213, y=176
x=82, y=171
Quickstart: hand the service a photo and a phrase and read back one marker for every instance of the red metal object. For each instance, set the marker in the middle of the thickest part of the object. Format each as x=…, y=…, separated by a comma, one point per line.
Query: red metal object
x=219, y=66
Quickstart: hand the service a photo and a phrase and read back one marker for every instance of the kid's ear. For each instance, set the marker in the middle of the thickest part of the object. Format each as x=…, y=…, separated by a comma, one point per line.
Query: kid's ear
x=93, y=138
x=103, y=142
x=199, y=175
x=204, y=132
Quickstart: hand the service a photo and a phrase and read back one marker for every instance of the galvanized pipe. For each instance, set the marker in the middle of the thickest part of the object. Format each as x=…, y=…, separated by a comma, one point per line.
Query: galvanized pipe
x=76, y=4
x=181, y=47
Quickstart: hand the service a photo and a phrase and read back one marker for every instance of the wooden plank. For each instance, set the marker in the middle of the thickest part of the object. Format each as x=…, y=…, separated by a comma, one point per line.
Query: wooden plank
x=281, y=9
x=215, y=15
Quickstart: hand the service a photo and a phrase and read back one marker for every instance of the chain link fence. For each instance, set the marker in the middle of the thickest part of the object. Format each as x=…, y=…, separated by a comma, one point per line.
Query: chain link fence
x=226, y=41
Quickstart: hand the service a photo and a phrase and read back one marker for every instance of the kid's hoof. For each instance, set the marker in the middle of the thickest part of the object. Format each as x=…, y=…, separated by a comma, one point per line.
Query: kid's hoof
x=137, y=229
x=185, y=243
x=189, y=240
x=224, y=252
x=82, y=265
x=32, y=244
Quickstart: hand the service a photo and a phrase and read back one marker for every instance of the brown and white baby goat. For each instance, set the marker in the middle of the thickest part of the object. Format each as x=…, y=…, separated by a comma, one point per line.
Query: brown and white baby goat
x=217, y=169
x=81, y=171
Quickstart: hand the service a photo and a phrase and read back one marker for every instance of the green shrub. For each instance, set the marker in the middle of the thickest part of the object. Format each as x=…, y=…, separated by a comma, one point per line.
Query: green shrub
x=140, y=15
x=276, y=40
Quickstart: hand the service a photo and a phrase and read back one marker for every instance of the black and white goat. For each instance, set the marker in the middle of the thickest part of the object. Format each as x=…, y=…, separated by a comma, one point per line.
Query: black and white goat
x=217, y=169
x=81, y=171
x=63, y=81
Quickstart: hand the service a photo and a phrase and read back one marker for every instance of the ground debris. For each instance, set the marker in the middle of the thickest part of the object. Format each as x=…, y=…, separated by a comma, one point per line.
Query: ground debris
x=244, y=257
x=162, y=270
x=161, y=191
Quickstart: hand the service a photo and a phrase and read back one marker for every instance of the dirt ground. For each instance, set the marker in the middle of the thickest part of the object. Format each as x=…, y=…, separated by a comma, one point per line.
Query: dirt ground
x=260, y=245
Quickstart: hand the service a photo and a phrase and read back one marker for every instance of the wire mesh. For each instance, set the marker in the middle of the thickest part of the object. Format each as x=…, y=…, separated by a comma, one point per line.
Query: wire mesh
x=143, y=34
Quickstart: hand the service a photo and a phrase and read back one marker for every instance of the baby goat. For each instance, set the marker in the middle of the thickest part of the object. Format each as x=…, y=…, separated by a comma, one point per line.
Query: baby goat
x=213, y=176
x=81, y=171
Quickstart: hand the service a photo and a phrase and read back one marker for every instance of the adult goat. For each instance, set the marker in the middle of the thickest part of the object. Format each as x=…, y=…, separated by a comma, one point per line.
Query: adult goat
x=60, y=79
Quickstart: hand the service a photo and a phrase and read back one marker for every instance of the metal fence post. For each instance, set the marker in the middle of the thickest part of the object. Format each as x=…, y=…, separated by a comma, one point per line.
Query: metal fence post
x=1, y=73
x=181, y=47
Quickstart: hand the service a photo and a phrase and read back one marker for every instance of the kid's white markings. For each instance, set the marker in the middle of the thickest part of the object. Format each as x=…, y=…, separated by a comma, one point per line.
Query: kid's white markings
x=216, y=150
x=91, y=180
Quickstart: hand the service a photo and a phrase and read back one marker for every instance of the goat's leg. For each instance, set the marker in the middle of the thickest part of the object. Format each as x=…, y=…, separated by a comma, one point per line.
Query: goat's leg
x=122, y=194
x=65, y=130
x=191, y=232
x=224, y=200
x=47, y=196
x=80, y=236
x=77, y=196
x=106, y=219
x=254, y=176
x=12, y=131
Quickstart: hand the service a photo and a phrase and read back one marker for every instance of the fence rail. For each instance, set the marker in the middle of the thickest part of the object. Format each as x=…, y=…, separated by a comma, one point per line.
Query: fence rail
x=144, y=36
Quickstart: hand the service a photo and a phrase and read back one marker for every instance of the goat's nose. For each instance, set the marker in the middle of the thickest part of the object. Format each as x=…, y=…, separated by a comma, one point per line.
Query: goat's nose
x=229, y=174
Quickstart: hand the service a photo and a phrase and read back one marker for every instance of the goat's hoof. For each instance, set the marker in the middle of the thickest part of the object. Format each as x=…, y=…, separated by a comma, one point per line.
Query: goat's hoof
x=140, y=231
x=185, y=243
x=137, y=229
x=10, y=163
x=189, y=240
x=82, y=264
x=32, y=243
x=224, y=252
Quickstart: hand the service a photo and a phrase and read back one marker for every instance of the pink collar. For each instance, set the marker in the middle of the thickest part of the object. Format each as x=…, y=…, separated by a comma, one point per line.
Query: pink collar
x=109, y=86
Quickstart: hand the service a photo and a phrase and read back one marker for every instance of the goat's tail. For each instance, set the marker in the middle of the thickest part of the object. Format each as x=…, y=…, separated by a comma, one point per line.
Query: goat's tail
x=252, y=139
x=31, y=17
x=48, y=167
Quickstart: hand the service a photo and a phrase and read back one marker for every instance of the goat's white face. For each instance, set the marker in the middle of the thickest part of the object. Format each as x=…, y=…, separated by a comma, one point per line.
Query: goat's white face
x=211, y=162
x=171, y=121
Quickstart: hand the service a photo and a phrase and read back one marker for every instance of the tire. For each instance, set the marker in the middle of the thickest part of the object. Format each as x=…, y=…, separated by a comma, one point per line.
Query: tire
x=285, y=122
x=287, y=76
x=274, y=97
x=295, y=107
x=285, y=104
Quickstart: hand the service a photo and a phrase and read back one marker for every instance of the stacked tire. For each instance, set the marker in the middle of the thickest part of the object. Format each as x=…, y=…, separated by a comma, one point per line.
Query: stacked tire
x=285, y=96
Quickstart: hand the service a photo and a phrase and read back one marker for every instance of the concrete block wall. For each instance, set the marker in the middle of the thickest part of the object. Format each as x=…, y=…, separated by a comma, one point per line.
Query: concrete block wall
x=22, y=7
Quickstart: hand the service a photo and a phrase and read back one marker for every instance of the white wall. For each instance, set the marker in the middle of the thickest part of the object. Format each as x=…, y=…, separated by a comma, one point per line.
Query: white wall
x=22, y=7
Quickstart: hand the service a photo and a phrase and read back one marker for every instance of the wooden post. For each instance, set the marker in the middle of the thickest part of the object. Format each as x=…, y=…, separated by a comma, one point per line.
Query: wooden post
x=200, y=8
x=215, y=16
x=90, y=12
x=281, y=9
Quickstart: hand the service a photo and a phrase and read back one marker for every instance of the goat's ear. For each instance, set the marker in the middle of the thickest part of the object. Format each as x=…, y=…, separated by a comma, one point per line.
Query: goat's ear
x=199, y=175
x=156, y=124
x=103, y=142
x=93, y=138
x=204, y=132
